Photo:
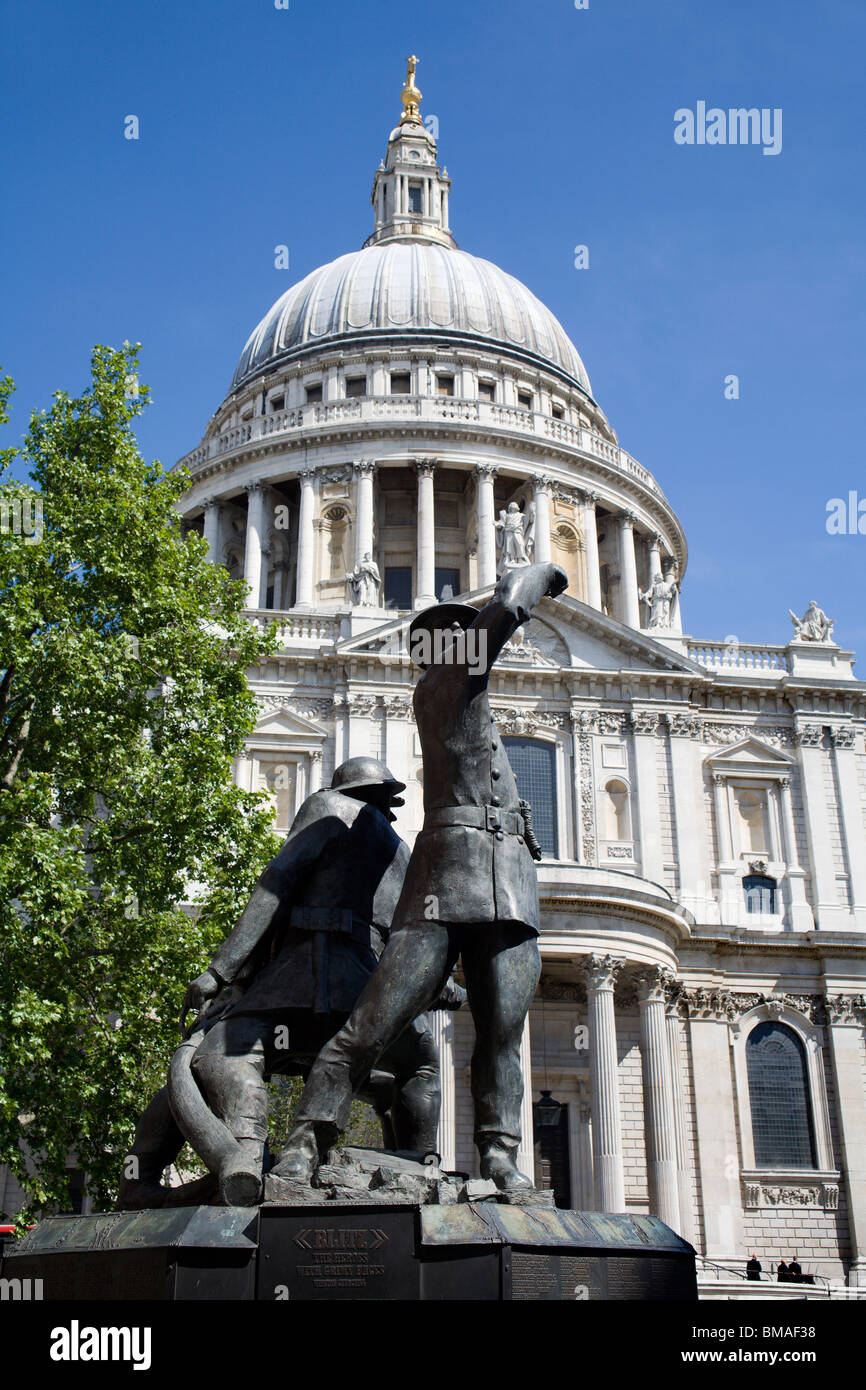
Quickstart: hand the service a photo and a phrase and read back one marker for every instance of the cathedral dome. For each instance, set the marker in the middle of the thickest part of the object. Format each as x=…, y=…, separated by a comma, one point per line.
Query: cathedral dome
x=417, y=288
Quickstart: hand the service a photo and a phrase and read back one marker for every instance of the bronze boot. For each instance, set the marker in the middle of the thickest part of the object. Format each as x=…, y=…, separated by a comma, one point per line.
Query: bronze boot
x=497, y=1163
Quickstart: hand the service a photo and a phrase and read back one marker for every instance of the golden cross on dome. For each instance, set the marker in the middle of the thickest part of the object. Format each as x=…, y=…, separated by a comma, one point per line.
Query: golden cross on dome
x=410, y=95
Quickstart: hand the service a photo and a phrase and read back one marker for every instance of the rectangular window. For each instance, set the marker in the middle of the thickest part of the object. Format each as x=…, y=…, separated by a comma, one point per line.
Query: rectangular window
x=534, y=766
x=445, y=386
x=557, y=412
x=276, y=403
x=314, y=394
x=398, y=586
x=415, y=198
x=447, y=582
x=401, y=383
x=524, y=399
x=356, y=386
x=487, y=390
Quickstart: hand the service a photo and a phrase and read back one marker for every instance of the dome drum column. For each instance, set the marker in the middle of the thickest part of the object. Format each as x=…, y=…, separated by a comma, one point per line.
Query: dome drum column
x=628, y=570
x=364, y=470
x=253, y=551
x=655, y=563
x=425, y=579
x=590, y=536
x=306, y=540
x=484, y=476
x=212, y=520
x=541, y=501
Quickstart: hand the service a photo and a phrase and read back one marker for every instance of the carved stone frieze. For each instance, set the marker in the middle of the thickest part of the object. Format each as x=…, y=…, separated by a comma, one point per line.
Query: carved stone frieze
x=682, y=725
x=809, y=736
x=843, y=736
x=644, y=721
x=305, y=708
x=561, y=990
x=397, y=706
x=820, y=1193
x=845, y=1008
x=526, y=721
x=777, y=735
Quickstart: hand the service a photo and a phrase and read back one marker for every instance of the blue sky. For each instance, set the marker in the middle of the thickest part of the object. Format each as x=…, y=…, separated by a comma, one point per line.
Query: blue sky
x=262, y=126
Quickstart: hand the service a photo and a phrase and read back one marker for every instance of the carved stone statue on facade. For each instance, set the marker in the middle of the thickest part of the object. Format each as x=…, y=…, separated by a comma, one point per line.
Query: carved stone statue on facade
x=515, y=532
x=364, y=583
x=814, y=626
x=659, y=598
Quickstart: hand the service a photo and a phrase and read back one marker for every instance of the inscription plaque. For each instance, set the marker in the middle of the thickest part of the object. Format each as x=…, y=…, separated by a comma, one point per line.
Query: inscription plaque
x=356, y=1252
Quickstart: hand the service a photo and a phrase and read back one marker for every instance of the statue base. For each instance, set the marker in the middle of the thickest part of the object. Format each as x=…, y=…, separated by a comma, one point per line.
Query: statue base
x=336, y=1250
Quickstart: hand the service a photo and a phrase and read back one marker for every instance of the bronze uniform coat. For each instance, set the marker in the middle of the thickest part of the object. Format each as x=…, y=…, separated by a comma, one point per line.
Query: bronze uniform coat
x=461, y=873
x=341, y=862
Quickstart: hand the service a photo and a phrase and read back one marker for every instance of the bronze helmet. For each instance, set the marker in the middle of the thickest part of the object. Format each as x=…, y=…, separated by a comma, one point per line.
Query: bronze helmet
x=356, y=773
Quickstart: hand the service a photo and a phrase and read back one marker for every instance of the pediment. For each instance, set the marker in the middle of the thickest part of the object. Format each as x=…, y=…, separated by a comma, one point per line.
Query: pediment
x=750, y=755
x=280, y=722
x=563, y=632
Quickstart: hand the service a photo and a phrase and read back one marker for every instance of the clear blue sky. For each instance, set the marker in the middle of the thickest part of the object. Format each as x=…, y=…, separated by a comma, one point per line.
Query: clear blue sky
x=262, y=126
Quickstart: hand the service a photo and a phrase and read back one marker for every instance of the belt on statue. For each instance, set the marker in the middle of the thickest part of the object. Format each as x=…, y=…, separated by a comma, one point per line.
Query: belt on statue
x=323, y=922
x=490, y=818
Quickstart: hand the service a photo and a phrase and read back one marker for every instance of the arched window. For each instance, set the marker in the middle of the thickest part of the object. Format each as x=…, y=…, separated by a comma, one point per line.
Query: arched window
x=760, y=893
x=534, y=766
x=779, y=1098
x=617, y=818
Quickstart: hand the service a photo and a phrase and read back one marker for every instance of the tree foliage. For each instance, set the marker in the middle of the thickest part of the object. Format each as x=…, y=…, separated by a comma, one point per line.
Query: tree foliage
x=123, y=702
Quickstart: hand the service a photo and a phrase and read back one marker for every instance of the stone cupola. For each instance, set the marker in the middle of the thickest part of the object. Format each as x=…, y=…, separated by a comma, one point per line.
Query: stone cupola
x=410, y=191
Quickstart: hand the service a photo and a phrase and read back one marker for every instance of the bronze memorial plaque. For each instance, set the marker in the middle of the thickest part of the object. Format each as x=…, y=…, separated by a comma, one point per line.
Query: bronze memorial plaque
x=354, y=1252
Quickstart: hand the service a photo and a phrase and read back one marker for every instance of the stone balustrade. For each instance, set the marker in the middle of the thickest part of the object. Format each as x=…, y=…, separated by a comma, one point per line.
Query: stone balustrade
x=296, y=627
x=737, y=656
x=370, y=409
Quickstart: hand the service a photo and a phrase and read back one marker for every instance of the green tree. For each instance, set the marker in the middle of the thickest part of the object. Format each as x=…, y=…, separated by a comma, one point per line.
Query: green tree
x=123, y=702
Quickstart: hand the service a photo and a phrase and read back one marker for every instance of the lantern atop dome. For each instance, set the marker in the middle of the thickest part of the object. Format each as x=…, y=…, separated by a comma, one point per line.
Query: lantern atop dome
x=410, y=191
x=410, y=95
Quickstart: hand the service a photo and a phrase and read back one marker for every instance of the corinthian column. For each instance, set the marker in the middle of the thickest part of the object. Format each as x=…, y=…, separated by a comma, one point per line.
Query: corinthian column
x=846, y=1016
x=686, y=1227
x=655, y=562
x=442, y=1025
x=541, y=498
x=212, y=528
x=850, y=815
x=526, y=1152
x=306, y=540
x=254, y=543
x=601, y=972
x=590, y=536
x=364, y=470
x=658, y=1098
x=628, y=571
x=425, y=578
x=484, y=475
